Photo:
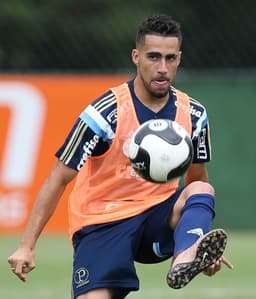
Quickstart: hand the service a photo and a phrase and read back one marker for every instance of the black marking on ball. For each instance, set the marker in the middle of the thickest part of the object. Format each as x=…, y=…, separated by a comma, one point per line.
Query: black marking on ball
x=168, y=134
x=182, y=168
x=141, y=164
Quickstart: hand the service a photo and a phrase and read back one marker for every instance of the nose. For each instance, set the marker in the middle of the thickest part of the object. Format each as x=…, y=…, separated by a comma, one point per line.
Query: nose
x=162, y=66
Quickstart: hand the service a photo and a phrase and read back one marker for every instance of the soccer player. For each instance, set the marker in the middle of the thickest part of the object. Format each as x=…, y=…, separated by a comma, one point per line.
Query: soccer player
x=116, y=217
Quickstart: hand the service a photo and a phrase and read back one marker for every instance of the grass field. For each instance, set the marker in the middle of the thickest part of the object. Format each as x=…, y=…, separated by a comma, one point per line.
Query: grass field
x=51, y=278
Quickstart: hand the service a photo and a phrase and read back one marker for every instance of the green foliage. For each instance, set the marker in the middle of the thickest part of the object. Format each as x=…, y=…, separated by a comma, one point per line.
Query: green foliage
x=99, y=35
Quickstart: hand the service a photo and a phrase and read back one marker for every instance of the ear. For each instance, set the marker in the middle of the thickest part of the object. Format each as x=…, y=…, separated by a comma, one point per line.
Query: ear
x=135, y=56
x=179, y=58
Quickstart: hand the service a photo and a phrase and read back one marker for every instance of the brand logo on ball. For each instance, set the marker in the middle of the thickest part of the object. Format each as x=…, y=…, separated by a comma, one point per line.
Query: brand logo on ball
x=139, y=165
x=158, y=125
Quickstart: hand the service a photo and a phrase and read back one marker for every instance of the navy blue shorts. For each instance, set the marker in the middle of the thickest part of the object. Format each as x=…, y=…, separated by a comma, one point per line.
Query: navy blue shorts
x=104, y=254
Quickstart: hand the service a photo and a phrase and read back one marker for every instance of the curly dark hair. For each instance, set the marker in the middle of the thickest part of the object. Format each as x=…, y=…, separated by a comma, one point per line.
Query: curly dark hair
x=162, y=25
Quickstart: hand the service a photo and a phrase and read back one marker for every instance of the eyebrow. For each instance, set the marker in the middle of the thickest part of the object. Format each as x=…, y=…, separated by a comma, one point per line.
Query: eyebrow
x=158, y=54
x=154, y=53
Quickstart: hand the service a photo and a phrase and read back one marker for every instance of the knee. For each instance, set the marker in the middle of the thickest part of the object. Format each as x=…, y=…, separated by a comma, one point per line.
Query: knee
x=199, y=194
x=194, y=190
x=193, y=194
x=198, y=187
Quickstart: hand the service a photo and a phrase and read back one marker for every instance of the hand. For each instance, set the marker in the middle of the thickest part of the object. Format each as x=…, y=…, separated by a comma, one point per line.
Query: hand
x=217, y=266
x=22, y=262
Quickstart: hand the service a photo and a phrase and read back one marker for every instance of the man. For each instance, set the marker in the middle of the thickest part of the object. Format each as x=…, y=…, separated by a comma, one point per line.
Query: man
x=117, y=218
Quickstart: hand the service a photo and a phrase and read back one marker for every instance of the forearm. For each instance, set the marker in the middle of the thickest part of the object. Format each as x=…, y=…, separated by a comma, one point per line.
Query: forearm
x=22, y=260
x=46, y=203
x=43, y=209
x=196, y=172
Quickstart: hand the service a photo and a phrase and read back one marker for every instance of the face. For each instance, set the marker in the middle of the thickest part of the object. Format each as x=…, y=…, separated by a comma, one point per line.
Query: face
x=157, y=60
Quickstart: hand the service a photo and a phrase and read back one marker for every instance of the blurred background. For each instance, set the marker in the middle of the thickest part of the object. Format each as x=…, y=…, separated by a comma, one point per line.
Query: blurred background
x=97, y=36
x=218, y=68
x=58, y=55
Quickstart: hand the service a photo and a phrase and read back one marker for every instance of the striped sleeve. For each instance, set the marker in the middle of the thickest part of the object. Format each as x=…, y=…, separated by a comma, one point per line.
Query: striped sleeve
x=73, y=141
x=96, y=117
x=92, y=133
x=201, y=132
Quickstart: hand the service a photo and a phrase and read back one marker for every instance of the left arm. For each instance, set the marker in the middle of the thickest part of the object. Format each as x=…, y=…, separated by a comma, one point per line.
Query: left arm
x=196, y=172
x=201, y=144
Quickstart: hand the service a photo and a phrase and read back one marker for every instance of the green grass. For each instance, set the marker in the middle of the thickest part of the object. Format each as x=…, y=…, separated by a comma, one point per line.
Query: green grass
x=51, y=278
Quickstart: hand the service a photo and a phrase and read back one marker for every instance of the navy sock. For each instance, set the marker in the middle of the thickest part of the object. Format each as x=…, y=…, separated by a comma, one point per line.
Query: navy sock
x=196, y=219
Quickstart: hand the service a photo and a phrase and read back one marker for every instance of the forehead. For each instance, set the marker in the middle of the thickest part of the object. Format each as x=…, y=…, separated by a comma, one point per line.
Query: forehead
x=158, y=43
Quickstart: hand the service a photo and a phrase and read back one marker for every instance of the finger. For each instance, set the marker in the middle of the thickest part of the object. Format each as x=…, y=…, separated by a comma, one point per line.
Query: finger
x=227, y=262
x=217, y=266
x=211, y=270
x=26, y=267
x=21, y=269
x=19, y=272
x=10, y=260
x=208, y=272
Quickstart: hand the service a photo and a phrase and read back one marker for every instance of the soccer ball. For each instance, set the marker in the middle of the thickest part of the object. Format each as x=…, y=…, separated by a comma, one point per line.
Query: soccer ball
x=160, y=150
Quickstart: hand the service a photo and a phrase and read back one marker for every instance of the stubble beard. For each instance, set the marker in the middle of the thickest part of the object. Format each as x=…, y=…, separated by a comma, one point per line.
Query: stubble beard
x=155, y=94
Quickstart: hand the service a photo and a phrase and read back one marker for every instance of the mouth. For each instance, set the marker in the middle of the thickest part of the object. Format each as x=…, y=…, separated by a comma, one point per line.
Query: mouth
x=161, y=83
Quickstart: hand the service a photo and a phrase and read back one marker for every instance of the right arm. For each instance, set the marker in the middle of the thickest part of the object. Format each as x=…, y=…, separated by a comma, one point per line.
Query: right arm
x=22, y=260
x=81, y=143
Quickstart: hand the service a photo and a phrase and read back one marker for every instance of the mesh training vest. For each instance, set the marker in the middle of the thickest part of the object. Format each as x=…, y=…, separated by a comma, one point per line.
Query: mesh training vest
x=107, y=188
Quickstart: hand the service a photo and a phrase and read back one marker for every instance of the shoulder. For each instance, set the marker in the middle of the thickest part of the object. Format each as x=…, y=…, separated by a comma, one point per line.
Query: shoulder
x=103, y=106
x=103, y=103
x=101, y=115
x=199, y=118
x=196, y=108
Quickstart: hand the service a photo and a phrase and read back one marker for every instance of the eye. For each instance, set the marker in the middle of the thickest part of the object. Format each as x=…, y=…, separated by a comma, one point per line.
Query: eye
x=171, y=57
x=153, y=56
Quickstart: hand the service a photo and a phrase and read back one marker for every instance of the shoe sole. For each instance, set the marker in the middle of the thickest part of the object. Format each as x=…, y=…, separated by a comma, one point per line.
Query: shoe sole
x=209, y=250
